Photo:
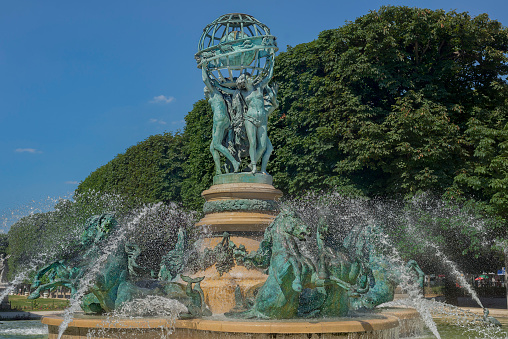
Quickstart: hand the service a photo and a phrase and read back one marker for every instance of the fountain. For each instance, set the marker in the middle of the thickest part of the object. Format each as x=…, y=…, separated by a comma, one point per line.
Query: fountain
x=259, y=267
x=101, y=281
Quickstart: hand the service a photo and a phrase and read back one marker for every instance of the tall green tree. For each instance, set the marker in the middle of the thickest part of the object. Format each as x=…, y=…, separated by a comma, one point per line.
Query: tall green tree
x=199, y=166
x=382, y=103
x=487, y=174
x=399, y=102
x=150, y=171
x=4, y=242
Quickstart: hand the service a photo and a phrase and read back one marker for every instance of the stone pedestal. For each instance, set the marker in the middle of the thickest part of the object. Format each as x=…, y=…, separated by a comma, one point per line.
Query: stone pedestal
x=242, y=204
x=4, y=305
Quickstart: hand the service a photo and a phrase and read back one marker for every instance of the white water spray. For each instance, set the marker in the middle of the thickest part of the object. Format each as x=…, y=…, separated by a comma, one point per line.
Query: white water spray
x=164, y=309
x=456, y=273
x=87, y=281
x=410, y=285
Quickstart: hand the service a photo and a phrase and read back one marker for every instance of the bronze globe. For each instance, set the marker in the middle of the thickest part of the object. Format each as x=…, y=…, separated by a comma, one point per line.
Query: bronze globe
x=236, y=44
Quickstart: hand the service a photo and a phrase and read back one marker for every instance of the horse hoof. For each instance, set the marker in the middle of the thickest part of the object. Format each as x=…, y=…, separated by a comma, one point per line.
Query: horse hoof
x=297, y=286
x=236, y=167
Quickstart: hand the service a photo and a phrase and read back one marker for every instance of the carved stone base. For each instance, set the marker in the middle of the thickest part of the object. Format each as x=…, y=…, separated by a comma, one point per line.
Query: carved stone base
x=237, y=221
x=4, y=305
x=219, y=290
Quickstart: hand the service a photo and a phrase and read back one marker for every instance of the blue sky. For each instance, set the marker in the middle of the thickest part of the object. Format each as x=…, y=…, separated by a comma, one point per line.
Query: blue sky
x=81, y=81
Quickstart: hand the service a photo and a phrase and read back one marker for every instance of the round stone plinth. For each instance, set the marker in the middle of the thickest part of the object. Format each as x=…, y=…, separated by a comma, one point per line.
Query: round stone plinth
x=241, y=206
x=410, y=323
x=377, y=325
x=241, y=191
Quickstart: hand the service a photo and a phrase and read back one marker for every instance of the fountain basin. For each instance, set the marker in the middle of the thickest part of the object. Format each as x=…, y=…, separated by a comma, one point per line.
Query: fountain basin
x=387, y=323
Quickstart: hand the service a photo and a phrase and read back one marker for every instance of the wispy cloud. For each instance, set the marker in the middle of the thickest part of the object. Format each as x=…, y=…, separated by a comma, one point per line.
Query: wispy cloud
x=27, y=150
x=71, y=182
x=161, y=99
x=157, y=121
x=177, y=122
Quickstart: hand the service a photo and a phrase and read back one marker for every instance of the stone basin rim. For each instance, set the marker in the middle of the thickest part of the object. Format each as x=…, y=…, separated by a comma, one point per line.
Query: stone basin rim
x=379, y=322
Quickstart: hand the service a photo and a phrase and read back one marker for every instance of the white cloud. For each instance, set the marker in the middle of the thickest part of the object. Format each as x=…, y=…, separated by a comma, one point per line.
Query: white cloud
x=71, y=182
x=177, y=122
x=161, y=99
x=27, y=150
x=157, y=121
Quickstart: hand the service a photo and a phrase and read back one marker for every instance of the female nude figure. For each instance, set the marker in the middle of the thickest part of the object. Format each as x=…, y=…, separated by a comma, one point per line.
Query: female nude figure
x=221, y=123
x=256, y=117
x=270, y=106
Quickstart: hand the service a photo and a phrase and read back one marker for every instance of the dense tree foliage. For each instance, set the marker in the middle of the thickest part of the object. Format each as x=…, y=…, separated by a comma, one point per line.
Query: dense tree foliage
x=387, y=102
x=462, y=232
x=150, y=171
x=399, y=102
x=199, y=165
x=4, y=242
x=486, y=175
x=41, y=236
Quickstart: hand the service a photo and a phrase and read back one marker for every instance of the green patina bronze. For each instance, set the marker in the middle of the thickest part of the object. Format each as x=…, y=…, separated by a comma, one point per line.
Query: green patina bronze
x=299, y=285
x=240, y=205
x=58, y=274
x=236, y=54
x=173, y=262
x=386, y=278
x=116, y=281
x=308, y=275
x=222, y=256
x=231, y=178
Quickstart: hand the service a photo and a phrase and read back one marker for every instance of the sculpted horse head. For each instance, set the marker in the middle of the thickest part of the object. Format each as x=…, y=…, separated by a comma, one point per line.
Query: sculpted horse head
x=98, y=227
x=290, y=223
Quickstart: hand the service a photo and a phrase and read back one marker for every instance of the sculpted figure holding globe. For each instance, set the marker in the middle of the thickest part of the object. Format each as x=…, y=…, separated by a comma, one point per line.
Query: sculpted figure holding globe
x=271, y=104
x=236, y=54
x=256, y=117
x=221, y=123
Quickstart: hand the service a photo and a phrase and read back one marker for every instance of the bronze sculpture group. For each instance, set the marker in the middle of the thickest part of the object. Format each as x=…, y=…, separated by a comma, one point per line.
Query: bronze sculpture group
x=239, y=114
x=325, y=282
x=116, y=282
x=241, y=102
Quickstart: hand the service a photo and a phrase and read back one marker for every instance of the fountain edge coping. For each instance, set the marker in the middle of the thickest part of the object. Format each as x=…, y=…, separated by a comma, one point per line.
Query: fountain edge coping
x=344, y=326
